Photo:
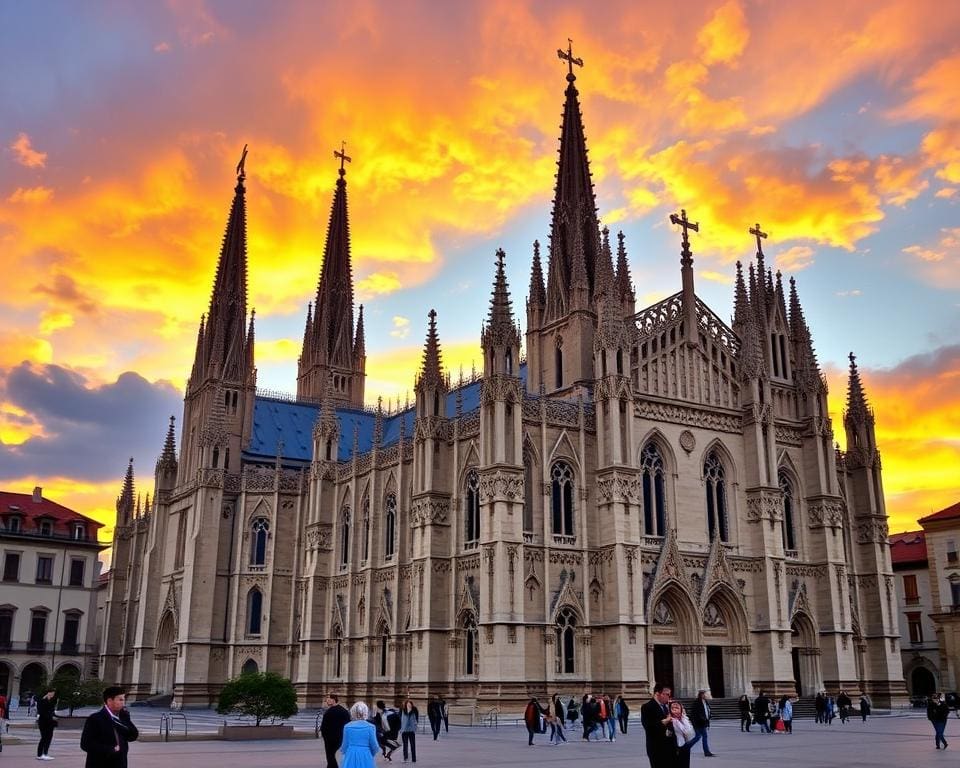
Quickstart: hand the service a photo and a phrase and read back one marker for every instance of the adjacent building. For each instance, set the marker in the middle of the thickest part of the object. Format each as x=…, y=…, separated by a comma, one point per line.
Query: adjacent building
x=48, y=605
x=942, y=534
x=647, y=495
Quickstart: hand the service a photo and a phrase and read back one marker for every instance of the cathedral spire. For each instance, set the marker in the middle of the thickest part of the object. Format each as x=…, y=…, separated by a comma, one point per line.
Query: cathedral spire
x=500, y=337
x=168, y=457
x=538, y=293
x=125, y=501
x=807, y=368
x=858, y=410
x=574, y=227
x=359, y=341
x=605, y=278
x=624, y=281
x=223, y=351
x=430, y=373
x=745, y=326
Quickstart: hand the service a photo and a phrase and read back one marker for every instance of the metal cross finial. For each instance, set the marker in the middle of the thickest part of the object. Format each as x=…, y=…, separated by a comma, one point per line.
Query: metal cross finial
x=684, y=222
x=760, y=236
x=567, y=56
x=853, y=358
x=342, y=154
x=241, y=172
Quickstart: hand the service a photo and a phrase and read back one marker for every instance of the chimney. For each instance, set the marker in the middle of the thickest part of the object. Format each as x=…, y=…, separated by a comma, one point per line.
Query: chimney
x=37, y=494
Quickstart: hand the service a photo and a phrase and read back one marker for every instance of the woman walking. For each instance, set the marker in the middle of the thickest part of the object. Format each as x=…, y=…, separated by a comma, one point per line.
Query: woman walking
x=786, y=714
x=746, y=716
x=557, y=735
x=531, y=716
x=937, y=713
x=359, y=739
x=408, y=729
x=683, y=731
x=864, y=707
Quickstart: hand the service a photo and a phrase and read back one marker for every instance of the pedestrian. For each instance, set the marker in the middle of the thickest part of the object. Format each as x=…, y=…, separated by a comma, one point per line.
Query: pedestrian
x=761, y=712
x=820, y=704
x=661, y=741
x=573, y=712
x=843, y=704
x=557, y=735
x=107, y=733
x=683, y=732
x=611, y=719
x=31, y=702
x=864, y=707
x=786, y=714
x=387, y=724
x=743, y=704
x=700, y=717
x=359, y=739
x=831, y=709
x=408, y=729
x=937, y=713
x=434, y=716
x=445, y=714
x=335, y=717
x=4, y=714
x=533, y=717
x=46, y=722
x=622, y=712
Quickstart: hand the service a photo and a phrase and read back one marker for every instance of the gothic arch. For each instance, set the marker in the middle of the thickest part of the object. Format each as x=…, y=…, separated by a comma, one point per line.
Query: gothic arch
x=261, y=509
x=471, y=458
x=345, y=496
x=726, y=458
x=731, y=608
x=530, y=446
x=676, y=597
x=666, y=450
x=165, y=653
x=804, y=629
x=391, y=485
x=563, y=449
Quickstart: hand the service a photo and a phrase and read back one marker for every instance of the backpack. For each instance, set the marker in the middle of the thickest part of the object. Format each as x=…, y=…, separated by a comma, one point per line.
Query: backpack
x=393, y=721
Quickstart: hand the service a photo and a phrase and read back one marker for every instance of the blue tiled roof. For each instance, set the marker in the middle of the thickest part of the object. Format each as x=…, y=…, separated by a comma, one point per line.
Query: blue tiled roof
x=276, y=421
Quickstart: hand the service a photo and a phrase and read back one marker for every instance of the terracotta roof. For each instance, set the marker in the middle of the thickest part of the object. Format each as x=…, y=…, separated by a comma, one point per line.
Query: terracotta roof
x=910, y=547
x=950, y=513
x=25, y=504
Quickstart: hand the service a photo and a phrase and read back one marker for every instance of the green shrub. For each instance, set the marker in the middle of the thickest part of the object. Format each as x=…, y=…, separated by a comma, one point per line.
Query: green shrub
x=73, y=693
x=260, y=695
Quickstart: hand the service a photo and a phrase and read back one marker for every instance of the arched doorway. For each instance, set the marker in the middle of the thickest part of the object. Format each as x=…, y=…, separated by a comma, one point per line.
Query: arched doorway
x=68, y=670
x=922, y=682
x=165, y=655
x=5, y=678
x=676, y=637
x=32, y=678
x=805, y=653
x=726, y=643
x=249, y=667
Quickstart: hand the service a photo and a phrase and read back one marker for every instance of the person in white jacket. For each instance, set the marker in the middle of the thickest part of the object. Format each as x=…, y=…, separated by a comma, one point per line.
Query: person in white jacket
x=684, y=733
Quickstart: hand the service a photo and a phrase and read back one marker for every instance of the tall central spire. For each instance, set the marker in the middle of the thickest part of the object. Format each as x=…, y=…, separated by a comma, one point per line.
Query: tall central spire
x=329, y=343
x=575, y=230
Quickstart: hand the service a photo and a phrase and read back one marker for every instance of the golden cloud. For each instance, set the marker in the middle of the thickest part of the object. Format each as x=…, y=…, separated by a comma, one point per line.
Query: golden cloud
x=723, y=39
x=30, y=195
x=25, y=154
x=794, y=259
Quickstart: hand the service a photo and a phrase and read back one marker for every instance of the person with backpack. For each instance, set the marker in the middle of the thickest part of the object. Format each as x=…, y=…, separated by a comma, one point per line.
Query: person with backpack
x=387, y=723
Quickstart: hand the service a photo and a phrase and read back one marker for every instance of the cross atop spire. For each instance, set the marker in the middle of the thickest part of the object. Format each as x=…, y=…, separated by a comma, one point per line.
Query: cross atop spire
x=686, y=224
x=567, y=56
x=760, y=235
x=342, y=154
x=241, y=172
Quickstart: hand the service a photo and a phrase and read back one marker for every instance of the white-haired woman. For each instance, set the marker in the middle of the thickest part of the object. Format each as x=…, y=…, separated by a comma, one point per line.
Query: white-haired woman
x=359, y=739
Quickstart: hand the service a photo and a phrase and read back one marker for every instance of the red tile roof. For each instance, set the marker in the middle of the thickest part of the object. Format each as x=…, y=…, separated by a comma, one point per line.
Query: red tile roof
x=950, y=513
x=31, y=510
x=910, y=547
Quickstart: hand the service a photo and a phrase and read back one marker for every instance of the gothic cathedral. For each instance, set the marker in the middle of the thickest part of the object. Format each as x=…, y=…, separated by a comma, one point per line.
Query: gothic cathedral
x=646, y=496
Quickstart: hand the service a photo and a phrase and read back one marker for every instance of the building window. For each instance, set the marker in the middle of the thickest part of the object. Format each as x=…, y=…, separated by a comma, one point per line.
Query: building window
x=716, y=497
x=181, y=540
x=38, y=630
x=344, y=537
x=527, y=490
x=13, y=525
x=77, y=568
x=11, y=566
x=916, y=628
x=250, y=667
x=955, y=593
x=338, y=653
x=384, y=640
x=472, y=509
x=951, y=552
x=562, y=499
x=366, y=529
x=44, y=569
x=254, y=611
x=260, y=529
x=470, y=644
x=6, y=628
x=654, y=503
x=566, y=642
x=910, y=592
x=45, y=528
x=389, y=526
x=71, y=632
x=79, y=532
x=789, y=535
x=558, y=364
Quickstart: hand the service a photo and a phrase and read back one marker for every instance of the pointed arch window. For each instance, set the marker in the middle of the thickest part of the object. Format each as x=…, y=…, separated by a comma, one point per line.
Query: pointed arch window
x=366, y=530
x=471, y=646
x=384, y=644
x=716, y=490
x=254, y=611
x=508, y=362
x=338, y=652
x=344, y=537
x=654, y=496
x=527, y=490
x=561, y=486
x=558, y=364
x=789, y=530
x=249, y=667
x=472, y=510
x=259, y=531
x=566, y=642
x=389, y=525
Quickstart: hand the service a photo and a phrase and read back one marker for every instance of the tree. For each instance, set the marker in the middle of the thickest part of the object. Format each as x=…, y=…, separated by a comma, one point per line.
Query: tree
x=72, y=692
x=259, y=695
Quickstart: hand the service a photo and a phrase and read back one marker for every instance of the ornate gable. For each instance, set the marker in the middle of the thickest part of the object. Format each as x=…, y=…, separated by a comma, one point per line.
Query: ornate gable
x=469, y=600
x=669, y=568
x=567, y=595
x=799, y=602
x=716, y=573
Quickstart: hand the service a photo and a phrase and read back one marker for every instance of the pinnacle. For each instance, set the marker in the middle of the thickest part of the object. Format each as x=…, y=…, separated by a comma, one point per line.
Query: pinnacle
x=624, y=281
x=430, y=372
x=538, y=293
x=125, y=501
x=857, y=407
x=168, y=457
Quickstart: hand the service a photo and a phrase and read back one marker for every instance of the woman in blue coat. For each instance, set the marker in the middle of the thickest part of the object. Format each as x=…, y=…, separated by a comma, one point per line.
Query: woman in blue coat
x=359, y=739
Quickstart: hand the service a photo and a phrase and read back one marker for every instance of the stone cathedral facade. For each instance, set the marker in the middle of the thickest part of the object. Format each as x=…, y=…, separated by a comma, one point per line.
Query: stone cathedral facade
x=647, y=495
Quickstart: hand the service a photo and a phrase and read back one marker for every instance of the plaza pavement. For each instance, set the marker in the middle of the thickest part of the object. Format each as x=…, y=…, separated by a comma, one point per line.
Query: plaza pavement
x=891, y=741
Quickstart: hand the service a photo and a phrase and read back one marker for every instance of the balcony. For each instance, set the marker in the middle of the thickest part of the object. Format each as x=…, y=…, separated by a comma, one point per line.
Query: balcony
x=568, y=541
x=39, y=649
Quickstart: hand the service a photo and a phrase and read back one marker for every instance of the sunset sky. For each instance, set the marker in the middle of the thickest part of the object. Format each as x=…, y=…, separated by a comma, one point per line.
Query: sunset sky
x=834, y=125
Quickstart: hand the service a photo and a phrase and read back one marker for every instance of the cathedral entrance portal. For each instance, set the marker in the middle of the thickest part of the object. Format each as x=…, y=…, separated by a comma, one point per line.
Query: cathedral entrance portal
x=797, y=680
x=715, y=671
x=805, y=654
x=663, y=664
x=165, y=657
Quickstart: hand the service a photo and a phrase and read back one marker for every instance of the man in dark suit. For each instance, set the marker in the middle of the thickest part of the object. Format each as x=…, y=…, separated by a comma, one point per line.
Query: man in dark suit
x=108, y=732
x=331, y=727
x=658, y=727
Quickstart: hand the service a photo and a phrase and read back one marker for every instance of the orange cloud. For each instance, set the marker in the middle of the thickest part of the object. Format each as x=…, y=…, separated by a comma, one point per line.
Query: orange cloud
x=794, y=259
x=30, y=195
x=25, y=154
x=724, y=37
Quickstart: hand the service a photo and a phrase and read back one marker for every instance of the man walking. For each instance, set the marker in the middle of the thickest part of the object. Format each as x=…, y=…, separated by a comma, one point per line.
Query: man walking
x=435, y=716
x=658, y=727
x=700, y=717
x=46, y=722
x=107, y=733
x=331, y=727
x=761, y=712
